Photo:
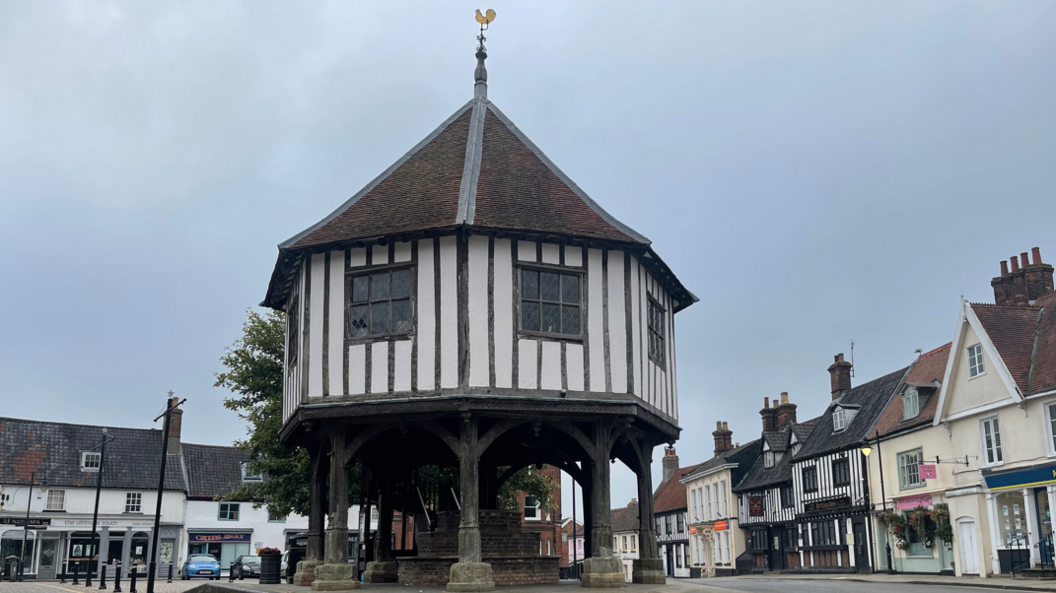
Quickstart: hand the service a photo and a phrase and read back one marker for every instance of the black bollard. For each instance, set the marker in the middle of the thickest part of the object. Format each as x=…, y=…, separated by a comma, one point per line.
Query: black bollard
x=132, y=581
x=76, y=573
x=231, y=573
x=102, y=577
x=88, y=574
x=169, y=580
x=117, y=580
x=62, y=577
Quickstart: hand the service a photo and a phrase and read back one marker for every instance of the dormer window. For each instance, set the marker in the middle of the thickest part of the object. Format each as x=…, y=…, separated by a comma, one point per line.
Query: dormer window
x=380, y=303
x=90, y=461
x=839, y=419
x=768, y=459
x=910, y=403
x=248, y=475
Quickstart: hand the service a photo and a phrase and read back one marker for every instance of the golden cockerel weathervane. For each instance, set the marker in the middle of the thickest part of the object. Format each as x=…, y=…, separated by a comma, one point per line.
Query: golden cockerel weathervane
x=484, y=20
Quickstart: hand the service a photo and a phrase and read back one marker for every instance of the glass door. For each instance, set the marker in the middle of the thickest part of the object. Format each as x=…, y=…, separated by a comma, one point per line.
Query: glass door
x=1041, y=502
x=49, y=555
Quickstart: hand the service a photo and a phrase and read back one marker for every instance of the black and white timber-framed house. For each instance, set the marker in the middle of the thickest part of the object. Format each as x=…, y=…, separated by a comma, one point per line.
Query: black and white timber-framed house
x=829, y=476
x=473, y=308
x=766, y=505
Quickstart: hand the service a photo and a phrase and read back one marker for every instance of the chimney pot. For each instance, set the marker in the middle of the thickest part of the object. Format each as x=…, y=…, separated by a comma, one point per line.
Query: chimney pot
x=670, y=464
x=725, y=426
x=784, y=397
x=1036, y=254
x=1015, y=263
x=718, y=425
x=1004, y=268
x=1023, y=260
x=766, y=402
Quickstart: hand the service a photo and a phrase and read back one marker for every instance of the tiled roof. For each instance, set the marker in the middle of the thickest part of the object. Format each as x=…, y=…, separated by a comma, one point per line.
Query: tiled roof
x=1025, y=337
x=212, y=471
x=52, y=452
x=930, y=367
x=745, y=453
x=567, y=528
x=759, y=476
x=625, y=518
x=872, y=397
x=670, y=495
x=476, y=170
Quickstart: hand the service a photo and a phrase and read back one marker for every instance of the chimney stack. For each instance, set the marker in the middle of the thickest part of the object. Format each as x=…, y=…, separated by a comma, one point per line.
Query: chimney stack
x=723, y=438
x=786, y=411
x=175, y=427
x=769, y=417
x=670, y=464
x=1027, y=281
x=840, y=375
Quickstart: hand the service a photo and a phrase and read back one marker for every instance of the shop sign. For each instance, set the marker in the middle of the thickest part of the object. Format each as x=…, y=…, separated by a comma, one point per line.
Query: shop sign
x=104, y=523
x=692, y=529
x=223, y=538
x=827, y=505
x=34, y=523
x=722, y=525
x=911, y=502
x=1038, y=476
x=755, y=506
x=927, y=472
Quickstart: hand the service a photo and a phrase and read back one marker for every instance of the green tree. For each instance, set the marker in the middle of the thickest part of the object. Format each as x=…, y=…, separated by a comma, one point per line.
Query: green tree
x=530, y=483
x=254, y=374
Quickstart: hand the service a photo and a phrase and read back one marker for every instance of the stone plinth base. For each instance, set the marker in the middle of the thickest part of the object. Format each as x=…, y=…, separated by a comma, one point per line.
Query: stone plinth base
x=305, y=572
x=381, y=572
x=334, y=577
x=603, y=573
x=470, y=577
x=649, y=572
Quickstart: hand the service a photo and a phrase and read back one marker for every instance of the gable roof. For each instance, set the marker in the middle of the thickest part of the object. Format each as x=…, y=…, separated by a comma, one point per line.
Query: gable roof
x=1025, y=338
x=670, y=495
x=477, y=169
x=212, y=470
x=929, y=369
x=873, y=397
x=50, y=453
x=625, y=518
x=745, y=453
x=760, y=476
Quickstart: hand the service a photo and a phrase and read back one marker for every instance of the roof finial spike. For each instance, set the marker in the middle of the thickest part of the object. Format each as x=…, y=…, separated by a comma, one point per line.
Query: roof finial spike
x=480, y=86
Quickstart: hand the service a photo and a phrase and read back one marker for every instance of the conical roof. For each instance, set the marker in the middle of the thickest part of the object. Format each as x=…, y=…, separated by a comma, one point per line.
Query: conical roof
x=476, y=169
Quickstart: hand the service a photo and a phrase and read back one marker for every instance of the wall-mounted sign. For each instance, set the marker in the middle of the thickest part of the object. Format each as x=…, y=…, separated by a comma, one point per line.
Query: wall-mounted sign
x=927, y=472
x=21, y=522
x=204, y=538
x=692, y=529
x=912, y=502
x=722, y=525
x=756, y=506
x=827, y=505
x=1038, y=476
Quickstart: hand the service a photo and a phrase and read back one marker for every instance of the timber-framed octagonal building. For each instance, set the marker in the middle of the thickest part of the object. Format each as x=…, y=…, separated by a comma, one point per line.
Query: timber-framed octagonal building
x=473, y=308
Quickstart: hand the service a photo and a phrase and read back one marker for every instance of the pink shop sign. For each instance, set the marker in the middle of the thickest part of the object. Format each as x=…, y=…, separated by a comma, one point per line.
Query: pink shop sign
x=912, y=502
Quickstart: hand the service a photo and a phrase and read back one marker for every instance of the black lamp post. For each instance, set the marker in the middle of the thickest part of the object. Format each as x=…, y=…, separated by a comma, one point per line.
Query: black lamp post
x=95, y=513
x=25, y=528
x=152, y=568
x=883, y=497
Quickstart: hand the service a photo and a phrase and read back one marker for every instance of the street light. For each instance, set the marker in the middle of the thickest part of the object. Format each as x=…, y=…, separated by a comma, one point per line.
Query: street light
x=95, y=513
x=866, y=450
x=152, y=568
x=25, y=528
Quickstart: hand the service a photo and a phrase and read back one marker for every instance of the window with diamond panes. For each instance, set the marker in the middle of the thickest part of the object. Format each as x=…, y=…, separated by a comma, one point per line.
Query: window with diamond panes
x=550, y=302
x=656, y=332
x=380, y=304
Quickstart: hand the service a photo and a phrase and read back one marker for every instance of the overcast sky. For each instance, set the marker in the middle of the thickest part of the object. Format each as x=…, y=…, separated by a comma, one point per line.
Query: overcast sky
x=815, y=172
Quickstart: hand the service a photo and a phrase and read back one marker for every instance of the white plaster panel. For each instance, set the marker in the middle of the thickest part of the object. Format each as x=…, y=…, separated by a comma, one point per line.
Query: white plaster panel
x=617, y=323
x=479, y=360
x=526, y=250
x=401, y=380
x=357, y=257
x=357, y=369
x=315, y=319
x=527, y=365
x=636, y=328
x=551, y=378
x=574, y=366
x=595, y=321
x=503, y=304
x=448, y=313
x=379, y=255
x=573, y=256
x=379, y=367
x=426, y=308
x=336, y=346
x=401, y=252
x=551, y=253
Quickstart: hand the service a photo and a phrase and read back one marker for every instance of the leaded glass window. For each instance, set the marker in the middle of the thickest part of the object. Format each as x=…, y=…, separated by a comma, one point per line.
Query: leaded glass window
x=550, y=302
x=380, y=303
x=656, y=333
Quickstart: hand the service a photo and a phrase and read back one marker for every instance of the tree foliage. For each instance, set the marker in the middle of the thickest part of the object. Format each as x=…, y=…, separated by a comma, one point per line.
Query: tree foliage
x=254, y=374
x=530, y=483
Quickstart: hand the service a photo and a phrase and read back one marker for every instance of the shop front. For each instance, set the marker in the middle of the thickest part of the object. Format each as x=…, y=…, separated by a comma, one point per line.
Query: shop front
x=1020, y=506
x=225, y=546
x=921, y=553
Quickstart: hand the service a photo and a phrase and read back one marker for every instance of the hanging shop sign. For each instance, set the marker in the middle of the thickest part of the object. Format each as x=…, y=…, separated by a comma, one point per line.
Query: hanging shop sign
x=827, y=505
x=222, y=538
x=927, y=472
x=34, y=523
x=722, y=525
x=911, y=502
x=755, y=506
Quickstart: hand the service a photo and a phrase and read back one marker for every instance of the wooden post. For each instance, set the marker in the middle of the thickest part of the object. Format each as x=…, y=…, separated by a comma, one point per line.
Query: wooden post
x=313, y=557
x=383, y=569
x=335, y=574
x=649, y=568
x=469, y=573
x=602, y=569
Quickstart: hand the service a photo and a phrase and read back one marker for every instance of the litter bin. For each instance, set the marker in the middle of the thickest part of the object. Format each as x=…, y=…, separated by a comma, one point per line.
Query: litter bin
x=11, y=568
x=269, y=566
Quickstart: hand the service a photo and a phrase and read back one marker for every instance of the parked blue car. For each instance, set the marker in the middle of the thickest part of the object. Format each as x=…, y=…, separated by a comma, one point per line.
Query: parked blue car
x=200, y=565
